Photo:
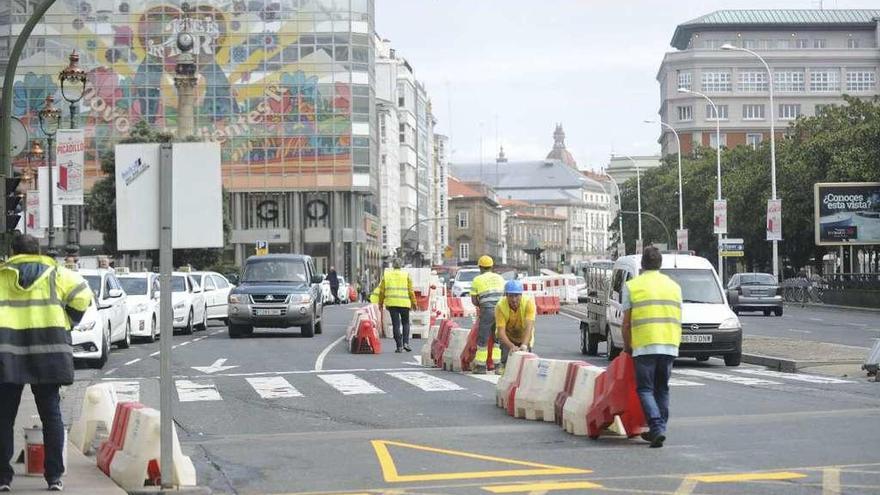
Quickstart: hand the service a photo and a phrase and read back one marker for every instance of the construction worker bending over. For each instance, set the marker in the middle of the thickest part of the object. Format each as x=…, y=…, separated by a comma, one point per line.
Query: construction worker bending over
x=396, y=293
x=486, y=290
x=515, y=322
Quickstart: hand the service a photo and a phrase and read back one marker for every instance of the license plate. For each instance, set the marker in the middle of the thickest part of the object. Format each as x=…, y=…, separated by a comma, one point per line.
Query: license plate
x=267, y=312
x=696, y=339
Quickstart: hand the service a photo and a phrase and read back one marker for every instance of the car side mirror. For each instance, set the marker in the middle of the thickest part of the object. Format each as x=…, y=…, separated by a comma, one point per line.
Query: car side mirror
x=317, y=279
x=114, y=293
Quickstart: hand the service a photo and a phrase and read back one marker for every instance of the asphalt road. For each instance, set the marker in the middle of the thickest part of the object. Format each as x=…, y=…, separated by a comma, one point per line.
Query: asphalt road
x=837, y=326
x=295, y=415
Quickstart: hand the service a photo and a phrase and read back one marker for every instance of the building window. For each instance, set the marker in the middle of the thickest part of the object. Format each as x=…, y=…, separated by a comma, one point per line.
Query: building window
x=716, y=81
x=402, y=133
x=750, y=44
x=684, y=80
x=712, y=44
x=789, y=111
x=783, y=44
x=825, y=80
x=852, y=43
x=464, y=251
x=802, y=43
x=713, y=141
x=791, y=81
x=754, y=139
x=462, y=219
x=753, y=112
x=685, y=113
x=819, y=43
x=752, y=81
x=861, y=80
x=401, y=101
x=382, y=127
x=821, y=108
x=722, y=112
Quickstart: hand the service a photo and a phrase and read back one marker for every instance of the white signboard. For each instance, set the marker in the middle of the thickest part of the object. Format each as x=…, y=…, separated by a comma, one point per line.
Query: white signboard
x=682, y=239
x=32, y=214
x=69, y=160
x=621, y=249
x=58, y=210
x=720, y=221
x=196, y=196
x=774, y=219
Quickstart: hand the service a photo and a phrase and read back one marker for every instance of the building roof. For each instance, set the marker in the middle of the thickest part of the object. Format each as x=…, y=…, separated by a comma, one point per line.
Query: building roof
x=537, y=174
x=512, y=202
x=774, y=19
x=559, y=152
x=458, y=188
x=536, y=216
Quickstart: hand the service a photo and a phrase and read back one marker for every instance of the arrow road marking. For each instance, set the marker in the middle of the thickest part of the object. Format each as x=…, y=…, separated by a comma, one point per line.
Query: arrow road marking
x=217, y=366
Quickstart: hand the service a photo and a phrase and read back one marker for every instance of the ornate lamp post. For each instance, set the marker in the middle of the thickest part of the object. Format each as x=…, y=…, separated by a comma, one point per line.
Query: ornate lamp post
x=50, y=119
x=185, y=81
x=73, y=84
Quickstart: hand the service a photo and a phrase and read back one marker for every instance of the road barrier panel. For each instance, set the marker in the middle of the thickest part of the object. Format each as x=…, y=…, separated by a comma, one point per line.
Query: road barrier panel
x=98, y=409
x=118, y=433
x=438, y=347
x=452, y=355
x=505, y=389
x=542, y=380
x=615, y=395
x=428, y=345
x=574, y=411
x=419, y=322
x=570, y=375
x=468, y=308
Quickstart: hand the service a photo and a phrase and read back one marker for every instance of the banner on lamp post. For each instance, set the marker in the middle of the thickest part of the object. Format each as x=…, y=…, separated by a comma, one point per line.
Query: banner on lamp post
x=32, y=225
x=682, y=238
x=57, y=210
x=70, y=162
x=720, y=221
x=774, y=220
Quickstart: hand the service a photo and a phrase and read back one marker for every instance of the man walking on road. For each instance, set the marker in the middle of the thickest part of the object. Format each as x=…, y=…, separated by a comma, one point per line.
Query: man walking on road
x=652, y=333
x=396, y=294
x=515, y=322
x=486, y=290
x=39, y=302
x=333, y=278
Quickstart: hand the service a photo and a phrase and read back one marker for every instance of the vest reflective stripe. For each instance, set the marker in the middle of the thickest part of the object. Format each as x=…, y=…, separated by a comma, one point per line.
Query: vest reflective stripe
x=489, y=288
x=396, y=289
x=656, y=310
x=75, y=292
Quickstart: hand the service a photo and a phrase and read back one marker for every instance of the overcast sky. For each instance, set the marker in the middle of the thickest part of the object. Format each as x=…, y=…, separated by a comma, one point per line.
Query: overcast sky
x=527, y=64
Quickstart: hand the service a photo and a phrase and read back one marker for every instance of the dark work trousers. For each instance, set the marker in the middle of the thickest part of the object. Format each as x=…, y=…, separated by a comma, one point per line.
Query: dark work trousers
x=399, y=316
x=49, y=406
x=652, y=385
x=334, y=289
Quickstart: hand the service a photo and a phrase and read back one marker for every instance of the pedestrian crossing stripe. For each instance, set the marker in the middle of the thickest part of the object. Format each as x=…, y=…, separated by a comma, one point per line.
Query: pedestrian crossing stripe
x=391, y=474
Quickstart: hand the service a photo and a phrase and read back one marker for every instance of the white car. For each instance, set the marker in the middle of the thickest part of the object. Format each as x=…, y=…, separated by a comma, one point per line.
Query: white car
x=342, y=293
x=111, y=302
x=464, y=278
x=188, y=303
x=90, y=338
x=142, y=291
x=216, y=290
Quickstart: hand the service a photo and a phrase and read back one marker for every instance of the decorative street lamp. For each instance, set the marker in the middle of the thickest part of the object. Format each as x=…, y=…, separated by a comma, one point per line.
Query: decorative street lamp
x=73, y=85
x=50, y=119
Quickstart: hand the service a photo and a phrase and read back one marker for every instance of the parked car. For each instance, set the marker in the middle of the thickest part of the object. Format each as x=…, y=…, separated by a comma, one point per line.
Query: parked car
x=90, y=338
x=188, y=303
x=277, y=291
x=754, y=292
x=464, y=278
x=216, y=288
x=142, y=292
x=110, y=299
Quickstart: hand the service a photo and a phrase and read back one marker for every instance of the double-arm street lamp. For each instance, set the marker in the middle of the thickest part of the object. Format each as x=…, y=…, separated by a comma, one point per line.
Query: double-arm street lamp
x=50, y=119
x=638, y=191
x=619, y=207
x=73, y=85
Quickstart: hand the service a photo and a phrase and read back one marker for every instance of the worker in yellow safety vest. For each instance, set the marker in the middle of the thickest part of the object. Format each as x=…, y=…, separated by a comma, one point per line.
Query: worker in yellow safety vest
x=514, y=322
x=652, y=333
x=396, y=294
x=39, y=302
x=486, y=290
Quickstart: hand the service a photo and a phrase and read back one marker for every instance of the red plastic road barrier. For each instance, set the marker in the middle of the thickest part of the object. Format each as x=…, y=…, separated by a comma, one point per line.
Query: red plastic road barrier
x=367, y=339
x=542, y=305
x=455, y=308
x=470, y=351
x=511, y=397
x=352, y=294
x=615, y=395
x=116, y=441
x=570, y=376
x=553, y=305
x=422, y=301
x=442, y=341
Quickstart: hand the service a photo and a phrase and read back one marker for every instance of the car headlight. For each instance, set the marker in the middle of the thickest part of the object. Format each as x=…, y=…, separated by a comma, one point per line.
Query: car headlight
x=85, y=327
x=180, y=305
x=730, y=324
x=237, y=299
x=301, y=298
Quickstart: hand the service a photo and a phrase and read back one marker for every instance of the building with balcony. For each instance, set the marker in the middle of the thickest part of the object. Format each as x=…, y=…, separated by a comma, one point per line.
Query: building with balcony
x=475, y=221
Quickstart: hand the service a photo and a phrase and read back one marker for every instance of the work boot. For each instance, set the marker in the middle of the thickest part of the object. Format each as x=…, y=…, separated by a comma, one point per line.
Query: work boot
x=407, y=348
x=479, y=369
x=4, y=487
x=56, y=486
x=399, y=350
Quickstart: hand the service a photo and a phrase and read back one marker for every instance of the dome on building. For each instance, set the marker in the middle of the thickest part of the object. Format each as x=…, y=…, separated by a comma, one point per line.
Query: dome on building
x=559, y=152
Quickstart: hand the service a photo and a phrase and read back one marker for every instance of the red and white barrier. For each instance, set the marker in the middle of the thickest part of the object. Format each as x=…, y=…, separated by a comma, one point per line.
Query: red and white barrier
x=98, y=409
x=505, y=389
x=542, y=380
x=458, y=338
x=468, y=308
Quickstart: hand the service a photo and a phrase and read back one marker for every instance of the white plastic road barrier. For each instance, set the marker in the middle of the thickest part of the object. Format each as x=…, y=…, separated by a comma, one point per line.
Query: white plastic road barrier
x=130, y=465
x=457, y=342
x=511, y=376
x=574, y=413
x=427, y=344
x=467, y=305
x=570, y=292
x=419, y=322
x=98, y=409
x=542, y=380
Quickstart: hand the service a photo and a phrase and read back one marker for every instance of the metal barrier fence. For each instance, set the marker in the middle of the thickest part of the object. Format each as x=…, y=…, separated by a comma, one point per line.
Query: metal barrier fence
x=856, y=289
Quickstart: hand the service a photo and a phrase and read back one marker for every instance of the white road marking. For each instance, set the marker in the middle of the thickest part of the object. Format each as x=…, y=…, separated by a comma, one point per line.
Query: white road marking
x=678, y=382
x=493, y=378
x=319, y=363
x=132, y=362
x=190, y=391
x=723, y=377
x=426, y=382
x=199, y=339
x=153, y=354
x=182, y=343
x=214, y=368
x=127, y=391
x=831, y=481
x=273, y=387
x=799, y=377
x=110, y=372
x=569, y=316
x=349, y=384
x=417, y=360
x=815, y=319
x=798, y=331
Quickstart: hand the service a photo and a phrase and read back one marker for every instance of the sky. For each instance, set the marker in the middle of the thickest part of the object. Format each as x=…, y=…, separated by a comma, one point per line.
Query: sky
x=506, y=71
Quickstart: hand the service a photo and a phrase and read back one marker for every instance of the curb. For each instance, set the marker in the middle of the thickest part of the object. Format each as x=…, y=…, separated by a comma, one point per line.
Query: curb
x=791, y=365
x=182, y=490
x=831, y=306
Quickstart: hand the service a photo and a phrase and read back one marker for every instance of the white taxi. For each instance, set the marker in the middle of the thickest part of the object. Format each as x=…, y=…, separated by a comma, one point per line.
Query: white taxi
x=188, y=303
x=90, y=338
x=142, y=290
x=110, y=299
x=216, y=289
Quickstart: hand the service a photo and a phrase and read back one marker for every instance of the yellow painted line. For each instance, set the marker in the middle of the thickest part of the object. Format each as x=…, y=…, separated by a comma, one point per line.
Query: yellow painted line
x=735, y=478
x=544, y=487
x=391, y=475
x=831, y=481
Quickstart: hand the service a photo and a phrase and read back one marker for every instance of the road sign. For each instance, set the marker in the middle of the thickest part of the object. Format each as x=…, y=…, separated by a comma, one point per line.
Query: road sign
x=732, y=247
x=720, y=222
x=682, y=239
x=774, y=219
x=262, y=248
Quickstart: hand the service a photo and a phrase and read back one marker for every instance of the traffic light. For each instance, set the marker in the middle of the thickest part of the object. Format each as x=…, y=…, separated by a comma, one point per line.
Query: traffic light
x=14, y=200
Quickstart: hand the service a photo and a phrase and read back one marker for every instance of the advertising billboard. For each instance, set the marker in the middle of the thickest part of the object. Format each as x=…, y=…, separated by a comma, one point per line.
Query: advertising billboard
x=847, y=213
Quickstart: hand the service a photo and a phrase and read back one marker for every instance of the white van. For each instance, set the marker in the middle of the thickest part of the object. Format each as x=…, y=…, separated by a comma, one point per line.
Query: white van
x=708, y=325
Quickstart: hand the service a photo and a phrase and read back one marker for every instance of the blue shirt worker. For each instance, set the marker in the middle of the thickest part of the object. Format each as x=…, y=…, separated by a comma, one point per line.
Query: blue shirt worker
x=652, y=334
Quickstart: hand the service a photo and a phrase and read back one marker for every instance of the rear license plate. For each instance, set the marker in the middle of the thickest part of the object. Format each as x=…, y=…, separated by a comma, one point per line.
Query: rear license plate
x=696, y=339
x=267, y=312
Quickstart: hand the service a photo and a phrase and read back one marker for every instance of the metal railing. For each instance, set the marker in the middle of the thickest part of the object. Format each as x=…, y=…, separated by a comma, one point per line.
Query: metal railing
x=813, y=289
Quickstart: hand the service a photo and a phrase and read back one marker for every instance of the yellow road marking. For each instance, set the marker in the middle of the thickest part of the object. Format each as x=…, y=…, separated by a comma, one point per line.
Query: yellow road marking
x=541, y=487
x=686, y=487
x=391, y=475
x=734, y=478
x=831, y=481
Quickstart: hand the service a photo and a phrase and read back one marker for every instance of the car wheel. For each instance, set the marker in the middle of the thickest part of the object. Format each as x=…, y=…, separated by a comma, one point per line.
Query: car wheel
x=777, y=311
x=703, y=359
x=188, y=329
x=308, y=330
x=105, y=352
x=152, y=337
x=319, y=326
x=766, y=312
x=613, y=352
x=584, y=332
x=126, y=340
x=733, y=359
x=593, y=344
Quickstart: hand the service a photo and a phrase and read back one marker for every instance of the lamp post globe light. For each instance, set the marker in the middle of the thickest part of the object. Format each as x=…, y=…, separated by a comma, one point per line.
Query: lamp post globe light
x=50, y=119
x=729, y=47
x=73, y=85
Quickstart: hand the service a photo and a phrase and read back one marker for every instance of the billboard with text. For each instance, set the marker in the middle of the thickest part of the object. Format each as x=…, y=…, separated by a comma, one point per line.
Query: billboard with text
x=847, y=213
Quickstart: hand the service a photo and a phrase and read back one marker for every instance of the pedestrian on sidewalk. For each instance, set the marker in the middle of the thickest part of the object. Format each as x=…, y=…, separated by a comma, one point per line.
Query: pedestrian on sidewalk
x=39, y=303
x=486, y=290
x=652, y=334
x=333, y=278
x=514, y=322
x=396, y=294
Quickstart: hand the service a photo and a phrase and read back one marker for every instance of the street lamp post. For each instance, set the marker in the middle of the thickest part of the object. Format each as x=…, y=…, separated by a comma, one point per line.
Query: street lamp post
x=718, y=163
x=185, y=82
x=34, y=155
x=411, y=227
x=728, y=46
x=638, y=192
x=619, y=207
x=73, y=84
x=50, y=119
x=678, y=147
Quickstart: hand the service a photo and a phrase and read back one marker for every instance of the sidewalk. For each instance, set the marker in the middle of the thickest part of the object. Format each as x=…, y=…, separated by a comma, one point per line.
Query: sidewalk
x=82, y=476
x=790, y=355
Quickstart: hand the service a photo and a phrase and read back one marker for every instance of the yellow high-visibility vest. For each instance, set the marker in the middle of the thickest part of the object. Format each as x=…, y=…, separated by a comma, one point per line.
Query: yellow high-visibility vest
x=488, y=287
x=656, y=310
x=395, y=289
x=374, y=296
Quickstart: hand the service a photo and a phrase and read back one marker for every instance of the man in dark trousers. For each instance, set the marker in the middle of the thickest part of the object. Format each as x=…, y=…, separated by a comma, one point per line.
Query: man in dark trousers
x=333, y=278
x=396, y=294
x=39, y=302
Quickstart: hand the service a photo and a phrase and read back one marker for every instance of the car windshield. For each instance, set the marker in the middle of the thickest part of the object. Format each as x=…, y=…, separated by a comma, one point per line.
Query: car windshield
x=697, y=286
x=134, y=286
x=275, y=271
x=94, y=282
x=178, y=284
x=466, y=276
x=757, y=279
